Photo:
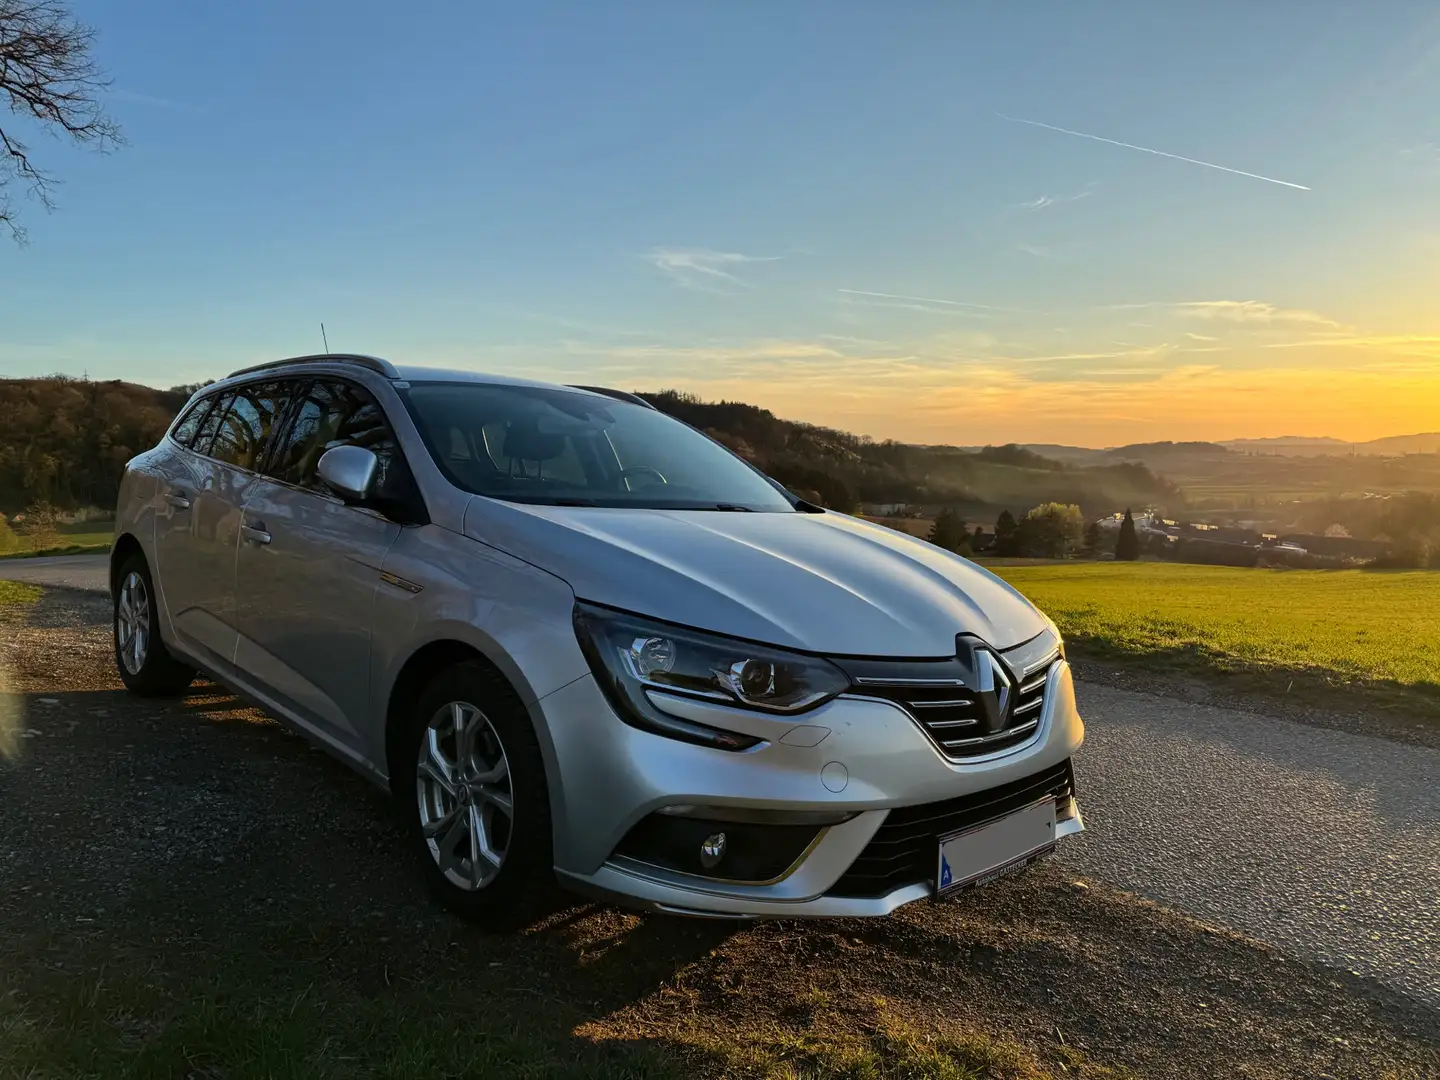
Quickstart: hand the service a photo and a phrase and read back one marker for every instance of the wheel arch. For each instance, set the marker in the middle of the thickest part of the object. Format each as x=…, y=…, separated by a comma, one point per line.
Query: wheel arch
x=124, y=547
x=423, y=665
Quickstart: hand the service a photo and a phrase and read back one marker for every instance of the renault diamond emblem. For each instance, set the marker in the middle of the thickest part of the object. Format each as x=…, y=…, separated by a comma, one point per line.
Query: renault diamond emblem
x=993, y=686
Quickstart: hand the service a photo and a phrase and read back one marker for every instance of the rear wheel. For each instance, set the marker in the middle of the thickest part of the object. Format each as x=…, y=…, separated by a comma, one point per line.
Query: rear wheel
x=475, y=799
x=146, y=666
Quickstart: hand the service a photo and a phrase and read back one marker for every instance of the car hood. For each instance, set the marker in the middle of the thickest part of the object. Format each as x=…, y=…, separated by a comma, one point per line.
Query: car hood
x=824, y=583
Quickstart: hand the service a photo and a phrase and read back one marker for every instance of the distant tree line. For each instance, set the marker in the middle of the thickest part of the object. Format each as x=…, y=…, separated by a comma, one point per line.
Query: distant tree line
x=845, y=470
x=65, y=441
x=1049, y=531
x=1408, y=523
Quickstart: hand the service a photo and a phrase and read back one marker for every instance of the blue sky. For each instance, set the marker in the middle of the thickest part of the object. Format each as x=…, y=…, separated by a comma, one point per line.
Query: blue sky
x=715, y=197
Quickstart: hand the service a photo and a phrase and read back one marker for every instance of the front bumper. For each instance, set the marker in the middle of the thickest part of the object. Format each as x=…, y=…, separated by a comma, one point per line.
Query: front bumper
x=856, y=755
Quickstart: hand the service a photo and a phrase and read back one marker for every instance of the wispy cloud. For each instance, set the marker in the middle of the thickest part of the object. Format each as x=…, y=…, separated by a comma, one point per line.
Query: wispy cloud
x=1048, y=251
x=1422, y=151
x=1044, y=201
x=703, y=268
x=1252, y=311
x=583, y=326
x=924, y=300
x=1199, y=337
x=1149, y=150
x=1408, y=344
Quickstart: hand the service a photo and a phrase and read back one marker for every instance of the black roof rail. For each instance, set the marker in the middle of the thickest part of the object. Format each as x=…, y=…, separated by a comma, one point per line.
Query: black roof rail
x=618, y=395
x=373, y=363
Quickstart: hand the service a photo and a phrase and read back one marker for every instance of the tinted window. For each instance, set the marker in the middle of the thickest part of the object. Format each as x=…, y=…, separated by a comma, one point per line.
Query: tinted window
x=535, y=444
x=210, y=424
x=251, y=419
x=189, y=424
x=336, y=414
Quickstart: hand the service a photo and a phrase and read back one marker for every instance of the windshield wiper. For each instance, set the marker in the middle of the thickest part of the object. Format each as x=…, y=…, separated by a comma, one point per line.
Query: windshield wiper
x=733, y=508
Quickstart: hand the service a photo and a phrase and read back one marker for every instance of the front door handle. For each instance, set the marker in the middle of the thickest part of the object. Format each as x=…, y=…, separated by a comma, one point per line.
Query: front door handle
x=177, y=499
x=256, y=533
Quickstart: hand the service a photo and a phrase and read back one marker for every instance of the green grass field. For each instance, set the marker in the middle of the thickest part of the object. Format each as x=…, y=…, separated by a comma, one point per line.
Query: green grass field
x=1375, y=631
x=81, y=537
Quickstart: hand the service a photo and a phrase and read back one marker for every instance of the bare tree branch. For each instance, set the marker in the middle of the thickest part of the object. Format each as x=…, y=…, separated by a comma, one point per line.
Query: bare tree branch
x=48, y=76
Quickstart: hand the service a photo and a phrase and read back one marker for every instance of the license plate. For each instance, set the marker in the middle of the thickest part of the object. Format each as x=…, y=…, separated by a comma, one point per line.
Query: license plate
x=985, y=852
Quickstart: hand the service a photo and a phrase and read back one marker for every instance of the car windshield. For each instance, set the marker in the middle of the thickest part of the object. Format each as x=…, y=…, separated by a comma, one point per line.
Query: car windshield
x=568, y=448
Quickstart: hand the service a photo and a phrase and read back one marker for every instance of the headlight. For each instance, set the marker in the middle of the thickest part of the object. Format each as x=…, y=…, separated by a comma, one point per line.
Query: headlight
x=630, y=654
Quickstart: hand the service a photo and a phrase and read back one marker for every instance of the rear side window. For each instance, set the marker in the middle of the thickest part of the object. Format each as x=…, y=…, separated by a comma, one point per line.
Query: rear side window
x=184, y=431
x=205, y=434
x=244, y=433
x=332, y=414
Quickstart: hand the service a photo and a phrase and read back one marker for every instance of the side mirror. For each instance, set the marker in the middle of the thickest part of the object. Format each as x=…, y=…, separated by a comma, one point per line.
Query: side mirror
x=349, y=471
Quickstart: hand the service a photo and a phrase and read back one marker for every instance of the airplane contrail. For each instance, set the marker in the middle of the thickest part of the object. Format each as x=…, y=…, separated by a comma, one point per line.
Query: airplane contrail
x=1147, y=150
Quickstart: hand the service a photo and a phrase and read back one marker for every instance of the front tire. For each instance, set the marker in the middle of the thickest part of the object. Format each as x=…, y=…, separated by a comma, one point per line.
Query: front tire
x=145, y=664
x=474, y=796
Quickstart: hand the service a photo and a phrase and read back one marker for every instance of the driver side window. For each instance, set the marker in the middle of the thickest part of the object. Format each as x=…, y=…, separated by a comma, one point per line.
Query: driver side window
x=333, y=413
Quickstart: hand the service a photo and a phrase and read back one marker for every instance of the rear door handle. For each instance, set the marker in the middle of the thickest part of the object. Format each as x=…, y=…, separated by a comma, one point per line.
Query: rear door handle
x=256, y=533
x=177, y=499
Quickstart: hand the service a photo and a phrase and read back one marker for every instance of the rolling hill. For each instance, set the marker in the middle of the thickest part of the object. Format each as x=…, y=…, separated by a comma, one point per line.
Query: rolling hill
x=65, y=441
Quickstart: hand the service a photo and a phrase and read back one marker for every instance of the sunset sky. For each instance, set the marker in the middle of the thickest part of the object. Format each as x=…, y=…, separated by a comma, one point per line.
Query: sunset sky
x=899, y=219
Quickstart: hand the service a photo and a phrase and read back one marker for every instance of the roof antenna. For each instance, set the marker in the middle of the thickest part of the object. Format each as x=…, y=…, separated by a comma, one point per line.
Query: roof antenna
x=324, y=339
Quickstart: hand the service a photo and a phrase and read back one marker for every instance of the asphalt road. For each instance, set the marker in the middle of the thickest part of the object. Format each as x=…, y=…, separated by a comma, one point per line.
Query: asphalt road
x=71, y=571
x=1322, y=843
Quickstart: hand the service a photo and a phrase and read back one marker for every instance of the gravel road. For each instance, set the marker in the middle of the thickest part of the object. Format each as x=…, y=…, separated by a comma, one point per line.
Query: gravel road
x=1322, y=843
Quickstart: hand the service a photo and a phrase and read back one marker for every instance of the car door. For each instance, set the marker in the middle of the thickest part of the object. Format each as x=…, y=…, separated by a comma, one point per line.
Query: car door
x=178, y=472
x=309, y=565
x=196, y=528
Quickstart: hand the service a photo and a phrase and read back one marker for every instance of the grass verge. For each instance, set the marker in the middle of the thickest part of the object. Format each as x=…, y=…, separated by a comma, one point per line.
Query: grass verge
x=16, y=592
x=77, y=539
x=1375, y=634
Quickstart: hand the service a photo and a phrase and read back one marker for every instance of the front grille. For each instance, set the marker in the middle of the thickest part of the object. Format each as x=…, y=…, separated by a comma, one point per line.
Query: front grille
x=951, y=715
x=944, y=698
x=905, y=849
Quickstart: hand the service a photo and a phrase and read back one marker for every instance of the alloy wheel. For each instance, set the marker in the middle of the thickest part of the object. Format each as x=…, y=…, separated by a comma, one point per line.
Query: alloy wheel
x=463, y=787
x=132, y=622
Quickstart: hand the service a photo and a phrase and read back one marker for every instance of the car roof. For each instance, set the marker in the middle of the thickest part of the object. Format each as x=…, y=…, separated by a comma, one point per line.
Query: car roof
x=414, y=373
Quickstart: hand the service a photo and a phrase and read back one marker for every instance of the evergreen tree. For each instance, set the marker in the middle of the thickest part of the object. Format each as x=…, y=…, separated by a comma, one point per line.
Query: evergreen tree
x=1092, y=539
x=1127, y=547
x=948, y=532
x=1007, y=539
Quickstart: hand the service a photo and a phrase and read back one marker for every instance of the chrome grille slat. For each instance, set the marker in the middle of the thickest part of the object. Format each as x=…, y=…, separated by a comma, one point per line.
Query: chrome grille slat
x=1033, y=703
x=985, y=740
x=1038, y=664
x=951, y=703
x=907, y=684
x=934, y=725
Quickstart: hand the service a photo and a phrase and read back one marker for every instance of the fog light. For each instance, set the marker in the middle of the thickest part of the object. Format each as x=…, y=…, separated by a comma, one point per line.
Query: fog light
x=712, y=850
